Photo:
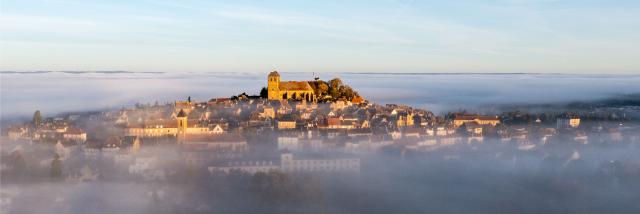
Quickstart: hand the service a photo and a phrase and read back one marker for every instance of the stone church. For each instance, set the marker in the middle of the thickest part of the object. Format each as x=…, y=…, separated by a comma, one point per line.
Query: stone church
x=295, y=90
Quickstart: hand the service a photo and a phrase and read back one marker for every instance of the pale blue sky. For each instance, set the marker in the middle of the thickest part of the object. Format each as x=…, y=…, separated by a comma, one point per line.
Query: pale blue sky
x=572, y=36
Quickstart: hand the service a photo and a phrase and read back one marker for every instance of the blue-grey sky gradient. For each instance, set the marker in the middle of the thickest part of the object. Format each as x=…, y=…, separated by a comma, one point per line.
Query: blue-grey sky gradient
x=545, y=36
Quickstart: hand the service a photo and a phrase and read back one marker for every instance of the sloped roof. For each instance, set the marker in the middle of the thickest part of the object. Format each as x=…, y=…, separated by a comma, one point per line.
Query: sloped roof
x=295, y=86
x=333, y=121
x=74, y=130
x=473, y=117
x=181, y=113
x=154, y=123
x=233, y=138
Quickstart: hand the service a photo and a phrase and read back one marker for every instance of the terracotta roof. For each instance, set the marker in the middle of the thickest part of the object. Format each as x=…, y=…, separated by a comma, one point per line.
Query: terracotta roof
x=219, y=100
x=473, y=117
x=333, y=121
x=295, y=86
x=73, y=130
x=235, y=138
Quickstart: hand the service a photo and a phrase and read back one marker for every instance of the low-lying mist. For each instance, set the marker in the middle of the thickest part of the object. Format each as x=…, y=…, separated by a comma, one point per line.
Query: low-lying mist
x=401, y=176
x=56, y=92
x=487, y=178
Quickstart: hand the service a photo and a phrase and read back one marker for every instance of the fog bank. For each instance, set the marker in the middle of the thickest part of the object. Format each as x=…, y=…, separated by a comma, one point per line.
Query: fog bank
x=54, y=92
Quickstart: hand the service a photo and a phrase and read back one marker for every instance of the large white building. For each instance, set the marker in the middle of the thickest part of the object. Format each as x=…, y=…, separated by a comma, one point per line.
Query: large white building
x=288, y=143
x=198, y=150
x=288, y=163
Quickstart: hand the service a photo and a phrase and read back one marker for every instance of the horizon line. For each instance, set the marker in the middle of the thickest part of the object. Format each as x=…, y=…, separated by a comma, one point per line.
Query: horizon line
x=305, y=72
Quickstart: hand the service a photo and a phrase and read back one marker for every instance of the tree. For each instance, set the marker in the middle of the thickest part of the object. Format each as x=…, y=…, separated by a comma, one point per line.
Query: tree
x=462, y=130
x=56, y=168
x=18, y=164
x=272, y=188
x=37, y=118
x=334, y=92
x=335, y=83
x=264, y=93
x=348, y=92
x=323, y=88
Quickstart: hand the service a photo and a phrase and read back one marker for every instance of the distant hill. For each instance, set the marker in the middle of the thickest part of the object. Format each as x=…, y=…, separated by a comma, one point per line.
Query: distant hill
x=613, y=102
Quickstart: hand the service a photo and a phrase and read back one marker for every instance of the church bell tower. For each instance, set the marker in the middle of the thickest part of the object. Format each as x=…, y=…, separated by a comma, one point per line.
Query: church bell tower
x=273, y=85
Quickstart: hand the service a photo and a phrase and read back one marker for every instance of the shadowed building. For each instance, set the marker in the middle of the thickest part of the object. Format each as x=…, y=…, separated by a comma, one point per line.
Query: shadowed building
x=478, y=119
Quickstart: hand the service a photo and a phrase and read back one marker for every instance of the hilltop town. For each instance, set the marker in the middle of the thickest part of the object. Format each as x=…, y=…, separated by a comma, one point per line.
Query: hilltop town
x=306, y=143
x=292, y=126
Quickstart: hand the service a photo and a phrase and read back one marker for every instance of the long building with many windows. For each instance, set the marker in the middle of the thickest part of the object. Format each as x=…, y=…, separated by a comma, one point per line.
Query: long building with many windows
x=288, y=163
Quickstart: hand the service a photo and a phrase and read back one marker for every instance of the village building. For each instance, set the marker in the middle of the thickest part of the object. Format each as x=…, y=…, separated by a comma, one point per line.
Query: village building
x=288, y=163
x=567, y=122
x=16, y=133
x=459, y=120
x=404, y=119
x=286, y=124
x=295, y=90
x=198, y=150
x=291, y=143
x=179, y=127
x=147, y=168
x=75, y=134
x=268, y=112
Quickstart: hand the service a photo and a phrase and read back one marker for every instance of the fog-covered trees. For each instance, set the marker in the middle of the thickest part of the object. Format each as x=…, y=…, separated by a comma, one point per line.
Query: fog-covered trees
x=37, y=118
x=56, y=168
x=18, y=164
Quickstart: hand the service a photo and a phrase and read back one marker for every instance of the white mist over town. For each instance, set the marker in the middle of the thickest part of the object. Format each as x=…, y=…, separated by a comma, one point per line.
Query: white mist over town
x=319, y=145
x=327, y=107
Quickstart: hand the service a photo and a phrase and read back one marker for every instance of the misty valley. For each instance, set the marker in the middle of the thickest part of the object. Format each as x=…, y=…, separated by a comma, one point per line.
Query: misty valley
x=316, y=146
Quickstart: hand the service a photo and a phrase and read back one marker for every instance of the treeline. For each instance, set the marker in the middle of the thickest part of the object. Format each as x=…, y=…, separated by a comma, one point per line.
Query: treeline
x=332, y=90
x=622, y=107
x=613, y=102
x=523, y=118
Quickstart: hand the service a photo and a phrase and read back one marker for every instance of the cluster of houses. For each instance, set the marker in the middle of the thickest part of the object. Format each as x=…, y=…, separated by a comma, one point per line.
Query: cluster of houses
x=49, y=130
x=256, y=134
